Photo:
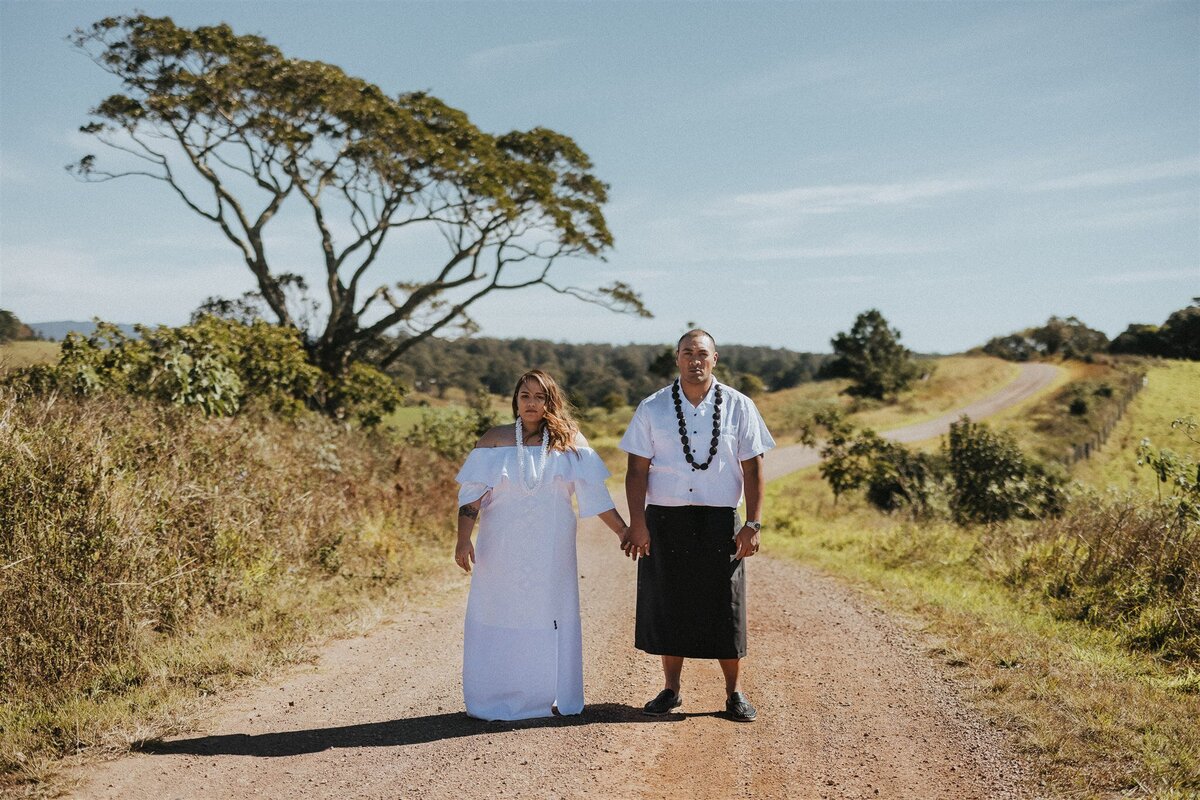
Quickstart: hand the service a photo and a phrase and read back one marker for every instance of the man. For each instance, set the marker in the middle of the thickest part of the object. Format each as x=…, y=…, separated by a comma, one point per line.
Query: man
x=693, y=447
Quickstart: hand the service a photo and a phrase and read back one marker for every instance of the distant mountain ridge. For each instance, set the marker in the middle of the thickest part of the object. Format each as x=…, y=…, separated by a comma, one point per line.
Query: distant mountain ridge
x=57, y=331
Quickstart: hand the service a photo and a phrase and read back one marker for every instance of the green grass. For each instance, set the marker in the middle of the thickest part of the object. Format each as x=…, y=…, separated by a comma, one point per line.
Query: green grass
x=1048, y=429
x=1097, y=718
x=405, y=418
x=1172, y=390
x=23, y=354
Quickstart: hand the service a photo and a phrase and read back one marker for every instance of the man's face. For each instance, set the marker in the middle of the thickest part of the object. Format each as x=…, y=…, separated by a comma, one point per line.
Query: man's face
x=696, y=358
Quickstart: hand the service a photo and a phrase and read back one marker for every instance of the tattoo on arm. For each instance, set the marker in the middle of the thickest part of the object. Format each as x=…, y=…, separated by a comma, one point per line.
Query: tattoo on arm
x=468, y=511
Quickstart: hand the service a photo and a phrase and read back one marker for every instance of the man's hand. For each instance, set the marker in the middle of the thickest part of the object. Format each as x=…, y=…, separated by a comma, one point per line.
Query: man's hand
x=637, y=541
x=746, y=541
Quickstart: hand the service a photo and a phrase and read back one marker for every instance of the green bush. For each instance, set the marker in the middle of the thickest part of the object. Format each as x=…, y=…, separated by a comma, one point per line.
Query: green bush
x=893, y=476
x=902, y=479
x=452, y=433
x=216, y=365
x=993, y=480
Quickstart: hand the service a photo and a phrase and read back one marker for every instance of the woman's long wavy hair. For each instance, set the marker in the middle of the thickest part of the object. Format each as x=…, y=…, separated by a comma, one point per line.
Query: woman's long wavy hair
x=558, y=420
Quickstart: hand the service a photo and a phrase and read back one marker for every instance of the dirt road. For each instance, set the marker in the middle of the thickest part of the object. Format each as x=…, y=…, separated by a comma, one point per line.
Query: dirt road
x=850, y=706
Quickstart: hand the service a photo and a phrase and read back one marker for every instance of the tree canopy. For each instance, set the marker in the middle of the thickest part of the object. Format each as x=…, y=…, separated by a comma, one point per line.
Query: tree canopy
x=1066, y=337
x=871, y=355
x=1177, y=337
x=234, y=128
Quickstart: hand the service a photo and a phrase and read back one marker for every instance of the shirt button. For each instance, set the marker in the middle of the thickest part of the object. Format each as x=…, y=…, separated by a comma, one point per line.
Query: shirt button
x=691, y=490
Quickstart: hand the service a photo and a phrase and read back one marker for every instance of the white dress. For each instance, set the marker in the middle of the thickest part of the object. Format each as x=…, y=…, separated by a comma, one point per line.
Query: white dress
x=522, y=644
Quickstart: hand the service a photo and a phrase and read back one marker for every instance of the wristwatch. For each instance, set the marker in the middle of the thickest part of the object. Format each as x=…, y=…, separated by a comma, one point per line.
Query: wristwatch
x=754, y=525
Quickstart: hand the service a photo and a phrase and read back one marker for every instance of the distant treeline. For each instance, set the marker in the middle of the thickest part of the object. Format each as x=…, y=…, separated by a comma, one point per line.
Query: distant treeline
x=593, y=374
x=1177, y=337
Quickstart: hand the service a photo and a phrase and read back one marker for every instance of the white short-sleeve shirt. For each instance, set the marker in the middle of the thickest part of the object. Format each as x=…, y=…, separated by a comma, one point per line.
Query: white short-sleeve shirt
x=653, y=433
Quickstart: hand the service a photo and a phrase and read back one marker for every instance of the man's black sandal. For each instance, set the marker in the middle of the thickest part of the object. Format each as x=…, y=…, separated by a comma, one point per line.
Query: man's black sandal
x=739, y=709
x=663, y=703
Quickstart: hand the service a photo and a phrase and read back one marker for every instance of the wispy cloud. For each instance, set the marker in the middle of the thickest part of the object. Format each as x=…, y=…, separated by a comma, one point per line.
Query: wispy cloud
x=1120, y=176
x=832, y=199
x=1149, y=276
x=513, y=55
x=853, y=250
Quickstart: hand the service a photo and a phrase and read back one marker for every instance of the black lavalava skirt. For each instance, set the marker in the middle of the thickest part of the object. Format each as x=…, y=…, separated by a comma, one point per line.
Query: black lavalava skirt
x=691, y=595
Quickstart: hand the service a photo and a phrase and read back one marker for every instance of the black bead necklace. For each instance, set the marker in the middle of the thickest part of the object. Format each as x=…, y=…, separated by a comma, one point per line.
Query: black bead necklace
x=716, y=434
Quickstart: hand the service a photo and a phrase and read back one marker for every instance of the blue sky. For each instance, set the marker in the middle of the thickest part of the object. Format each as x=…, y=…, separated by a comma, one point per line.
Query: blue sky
x=775, y=168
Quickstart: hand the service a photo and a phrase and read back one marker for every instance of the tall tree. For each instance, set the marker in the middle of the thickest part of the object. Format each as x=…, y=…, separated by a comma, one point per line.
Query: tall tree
x=872, y=356
x=235, y=128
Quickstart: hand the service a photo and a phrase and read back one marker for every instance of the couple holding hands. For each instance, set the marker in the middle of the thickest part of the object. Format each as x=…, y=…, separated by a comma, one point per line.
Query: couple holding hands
x=694, y=448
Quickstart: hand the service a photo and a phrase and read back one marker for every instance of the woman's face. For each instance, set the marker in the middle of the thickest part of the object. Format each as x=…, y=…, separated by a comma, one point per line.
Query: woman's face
x=531, y=404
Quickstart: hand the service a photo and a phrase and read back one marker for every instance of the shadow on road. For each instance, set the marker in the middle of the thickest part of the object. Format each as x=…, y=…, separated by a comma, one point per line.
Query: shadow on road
x=417, y=730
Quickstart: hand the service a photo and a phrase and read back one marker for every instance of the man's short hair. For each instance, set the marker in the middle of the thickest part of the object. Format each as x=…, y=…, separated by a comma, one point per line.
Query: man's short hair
x=696, y=332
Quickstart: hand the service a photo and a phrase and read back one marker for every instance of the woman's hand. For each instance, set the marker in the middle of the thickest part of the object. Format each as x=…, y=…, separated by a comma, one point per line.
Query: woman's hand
x=622, y=535
x=464, y=554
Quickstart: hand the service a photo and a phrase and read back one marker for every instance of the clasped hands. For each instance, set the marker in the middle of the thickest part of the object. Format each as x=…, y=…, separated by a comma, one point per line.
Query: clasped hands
x=635, y=541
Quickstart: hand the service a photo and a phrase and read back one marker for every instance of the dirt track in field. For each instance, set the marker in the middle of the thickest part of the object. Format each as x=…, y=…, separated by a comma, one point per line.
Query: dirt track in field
x=850, y=706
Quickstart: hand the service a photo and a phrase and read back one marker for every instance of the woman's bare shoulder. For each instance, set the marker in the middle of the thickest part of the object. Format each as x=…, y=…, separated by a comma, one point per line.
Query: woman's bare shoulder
x=496, y=437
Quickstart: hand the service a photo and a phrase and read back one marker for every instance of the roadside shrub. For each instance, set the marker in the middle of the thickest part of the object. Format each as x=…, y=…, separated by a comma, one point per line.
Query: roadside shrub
x=1178, y=471
x=452, y=433
x=903, y=479
x=217, y=365
x=363, y=393
x=893, y=476
x=993, y=480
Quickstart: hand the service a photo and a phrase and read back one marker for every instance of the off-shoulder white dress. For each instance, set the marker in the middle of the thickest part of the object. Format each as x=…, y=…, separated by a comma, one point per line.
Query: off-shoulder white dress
x=522, y=645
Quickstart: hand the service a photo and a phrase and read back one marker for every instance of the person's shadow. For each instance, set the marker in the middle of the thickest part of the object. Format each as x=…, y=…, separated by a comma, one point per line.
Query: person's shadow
x=416, y=730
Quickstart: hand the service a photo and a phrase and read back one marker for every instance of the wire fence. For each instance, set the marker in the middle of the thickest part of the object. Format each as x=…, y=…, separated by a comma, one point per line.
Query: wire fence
x=1084, y=450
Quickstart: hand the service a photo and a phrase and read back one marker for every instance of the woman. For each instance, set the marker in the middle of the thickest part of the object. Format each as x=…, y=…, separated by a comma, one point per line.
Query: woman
x=522, y=647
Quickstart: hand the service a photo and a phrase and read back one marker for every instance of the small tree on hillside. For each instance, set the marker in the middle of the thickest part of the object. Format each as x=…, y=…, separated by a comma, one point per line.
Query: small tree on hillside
x=871, y=355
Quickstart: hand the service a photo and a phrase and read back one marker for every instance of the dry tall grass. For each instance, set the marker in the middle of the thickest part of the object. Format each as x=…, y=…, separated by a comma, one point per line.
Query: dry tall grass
x=124, y=523
x=1125, y=562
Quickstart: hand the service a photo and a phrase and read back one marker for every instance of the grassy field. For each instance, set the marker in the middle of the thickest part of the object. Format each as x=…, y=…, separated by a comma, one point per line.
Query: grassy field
x=1101, y=721
x=1049, y=429
x=1172, y=390
x=22, y=354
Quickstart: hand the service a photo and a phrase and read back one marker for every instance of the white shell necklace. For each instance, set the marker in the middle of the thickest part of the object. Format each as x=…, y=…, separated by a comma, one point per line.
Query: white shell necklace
x=541, y=467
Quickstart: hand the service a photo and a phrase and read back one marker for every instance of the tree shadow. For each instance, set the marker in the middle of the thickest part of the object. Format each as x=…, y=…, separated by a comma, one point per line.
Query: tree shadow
x=393, y=733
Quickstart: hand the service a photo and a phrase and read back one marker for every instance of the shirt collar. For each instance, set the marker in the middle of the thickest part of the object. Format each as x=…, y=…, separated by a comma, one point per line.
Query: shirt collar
x=707, y=400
